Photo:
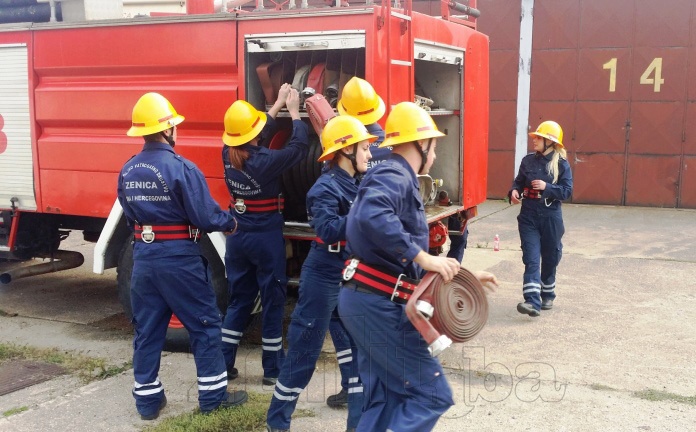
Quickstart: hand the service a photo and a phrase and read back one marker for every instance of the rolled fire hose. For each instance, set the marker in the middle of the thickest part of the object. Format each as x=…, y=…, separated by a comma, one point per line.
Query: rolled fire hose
x=445, y=313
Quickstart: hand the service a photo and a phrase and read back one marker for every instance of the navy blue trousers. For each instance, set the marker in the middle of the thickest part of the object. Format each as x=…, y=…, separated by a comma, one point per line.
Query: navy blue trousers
x=457, y=242
x=179, y=284
x=345, y=348
x=315, y=310
x=255, y=263
x=405, y=388
x=540, y=234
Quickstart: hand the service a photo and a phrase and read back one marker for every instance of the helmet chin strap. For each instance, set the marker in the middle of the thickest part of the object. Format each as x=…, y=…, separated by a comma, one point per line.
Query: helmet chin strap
x=169, y=138
x=351, y=158
x=547, y=146
x=423, y=153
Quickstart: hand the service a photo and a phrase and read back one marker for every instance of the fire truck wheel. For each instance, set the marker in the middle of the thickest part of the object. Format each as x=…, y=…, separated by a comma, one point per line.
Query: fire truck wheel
x=299, y=179
x=124, y=271
x=177, y=338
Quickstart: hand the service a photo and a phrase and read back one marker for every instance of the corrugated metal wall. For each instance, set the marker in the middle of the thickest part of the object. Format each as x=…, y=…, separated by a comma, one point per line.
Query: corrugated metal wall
x=620, y=77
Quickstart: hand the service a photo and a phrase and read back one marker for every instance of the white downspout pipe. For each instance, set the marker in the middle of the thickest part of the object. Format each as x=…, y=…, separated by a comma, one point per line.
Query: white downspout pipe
x=524, y=81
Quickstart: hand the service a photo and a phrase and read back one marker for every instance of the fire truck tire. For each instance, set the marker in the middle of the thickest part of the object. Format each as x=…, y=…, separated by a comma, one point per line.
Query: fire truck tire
x=124, y=271
x=314, y=168
x=317, y=166
x=297, y=175
x=177, y=338
x=299, y=179
x=305, y=175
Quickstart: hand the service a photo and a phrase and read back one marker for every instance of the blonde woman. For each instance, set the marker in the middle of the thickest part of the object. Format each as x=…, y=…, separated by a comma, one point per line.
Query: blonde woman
x=543, y=181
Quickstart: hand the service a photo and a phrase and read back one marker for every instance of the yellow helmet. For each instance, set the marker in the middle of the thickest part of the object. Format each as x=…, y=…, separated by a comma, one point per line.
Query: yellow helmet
x=341, y=132
x=549, y=130
x=151, y=114
x=360, y=100
x=243, y=123
x=408, y=122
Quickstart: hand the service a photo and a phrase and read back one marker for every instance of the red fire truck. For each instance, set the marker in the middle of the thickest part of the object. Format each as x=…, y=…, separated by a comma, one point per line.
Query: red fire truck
x=67, y=91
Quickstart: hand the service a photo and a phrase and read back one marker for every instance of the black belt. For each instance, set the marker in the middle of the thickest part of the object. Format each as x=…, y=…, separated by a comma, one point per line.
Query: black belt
x=158, y=233
x=397, y=287
x=333, y=247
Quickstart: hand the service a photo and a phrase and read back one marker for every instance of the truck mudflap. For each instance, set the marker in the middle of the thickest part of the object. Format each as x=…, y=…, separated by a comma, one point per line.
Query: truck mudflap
x=105, y=237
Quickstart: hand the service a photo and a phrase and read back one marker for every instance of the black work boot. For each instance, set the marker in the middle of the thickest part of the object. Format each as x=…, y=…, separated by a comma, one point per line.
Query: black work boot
x=163, y=404
x=232, y=373
x=234, y=398
x=547, y=304
x=527, y=309
x=272, y=429
x=338, y=400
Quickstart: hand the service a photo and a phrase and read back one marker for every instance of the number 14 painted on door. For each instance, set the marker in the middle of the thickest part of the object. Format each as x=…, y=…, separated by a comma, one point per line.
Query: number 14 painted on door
x=651, y=75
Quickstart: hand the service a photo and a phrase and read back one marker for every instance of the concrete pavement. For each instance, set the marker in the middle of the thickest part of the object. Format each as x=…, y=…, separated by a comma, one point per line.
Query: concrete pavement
x=624, y=321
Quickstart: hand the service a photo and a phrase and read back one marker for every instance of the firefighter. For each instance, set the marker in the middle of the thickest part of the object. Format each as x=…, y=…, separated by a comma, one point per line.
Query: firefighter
x=346, y=144
x=387, y=232
x=359, y=100
x=255, y=257
x=543, y=181
x=166, y=201
x=458, y=242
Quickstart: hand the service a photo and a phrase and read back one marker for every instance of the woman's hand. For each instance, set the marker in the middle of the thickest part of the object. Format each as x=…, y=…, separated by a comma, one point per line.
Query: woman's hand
x=281, y=101
x=283, y=93
x=488, y=280
x=446, y=267
x=538, y=185
x=293, y=103
x=515, y=197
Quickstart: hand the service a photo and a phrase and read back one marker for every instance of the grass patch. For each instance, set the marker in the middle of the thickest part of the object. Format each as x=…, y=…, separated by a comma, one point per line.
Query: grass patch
x=87, y=368
x=658, y=396
x=249, y=417
x=14, y=411
x=601, y=387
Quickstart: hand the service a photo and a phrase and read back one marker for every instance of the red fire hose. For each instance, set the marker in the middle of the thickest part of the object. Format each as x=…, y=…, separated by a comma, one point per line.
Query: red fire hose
x=446, y=313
